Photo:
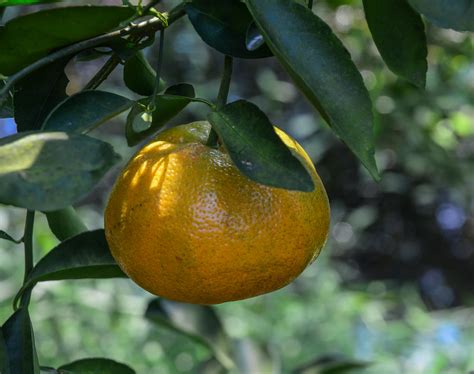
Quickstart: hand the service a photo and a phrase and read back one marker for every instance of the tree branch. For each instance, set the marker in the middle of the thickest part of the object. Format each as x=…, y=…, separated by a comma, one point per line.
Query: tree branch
x=142, y=28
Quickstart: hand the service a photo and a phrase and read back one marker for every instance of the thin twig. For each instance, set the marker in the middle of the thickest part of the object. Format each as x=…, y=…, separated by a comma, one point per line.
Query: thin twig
x=114, y=60
x=225, y=82
x=28, y=242
x=213, y=138
x=103, y=73
x=152, y=105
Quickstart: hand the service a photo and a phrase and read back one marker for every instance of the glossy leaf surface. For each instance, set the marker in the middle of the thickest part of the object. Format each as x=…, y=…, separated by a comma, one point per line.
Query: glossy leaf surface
x=256, y=149
x=85, y=111
x=51, y=170
x=140, y=124
x=399, y=34
x=451, y=14
x=223, y=25
x=53, y=28
x=322, y=69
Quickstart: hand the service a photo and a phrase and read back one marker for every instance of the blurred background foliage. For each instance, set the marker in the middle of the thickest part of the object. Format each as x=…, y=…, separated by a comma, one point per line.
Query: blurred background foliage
x=395, y=282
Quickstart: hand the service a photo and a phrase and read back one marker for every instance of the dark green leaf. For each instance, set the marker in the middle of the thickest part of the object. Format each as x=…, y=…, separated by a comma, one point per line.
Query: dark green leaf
x=48, y=370
x=331, y=364
x=256, y=149
x=85, y=111
x=5, y=236
x=125, y=50
x=51, y=170
x=37, y=94
x=53, y=28
x=223, y=25
x=93, y=54
x=25, y=2
x=84, y=256
x=253, y=38
x=168, y=105
x=20, y=343
x=4, y=364
x=139, y=76
x=95, y=366
x=6, y=104
x=65, y=223
x=197, y=322
x=399, y=34
x=322, y=69
x=457, y=15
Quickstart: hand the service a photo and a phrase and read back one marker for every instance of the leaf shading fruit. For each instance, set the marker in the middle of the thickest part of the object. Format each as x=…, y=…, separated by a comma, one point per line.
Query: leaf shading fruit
x=185, y=224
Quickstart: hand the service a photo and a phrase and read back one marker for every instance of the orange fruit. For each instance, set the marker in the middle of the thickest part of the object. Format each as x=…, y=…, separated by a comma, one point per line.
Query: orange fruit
x=185, y=224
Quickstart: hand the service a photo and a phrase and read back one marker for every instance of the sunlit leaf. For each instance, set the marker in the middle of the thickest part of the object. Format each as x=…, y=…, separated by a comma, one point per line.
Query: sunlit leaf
x=85, y=111
x=223, y=25
x=37, y=94
x=399, y=34
x=457, y=15
x=95, y=366
x=322, y=69
x=256, y=149
x=51, y=170
x=199, y=323
x=167, y=105
x=53, y=28
x=20, y=343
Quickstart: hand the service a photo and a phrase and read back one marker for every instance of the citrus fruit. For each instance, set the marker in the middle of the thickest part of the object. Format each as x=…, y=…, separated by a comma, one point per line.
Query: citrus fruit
x=185, y=224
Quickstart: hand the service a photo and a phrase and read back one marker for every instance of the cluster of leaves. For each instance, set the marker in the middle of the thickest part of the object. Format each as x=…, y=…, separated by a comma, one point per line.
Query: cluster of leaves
x=51, y=163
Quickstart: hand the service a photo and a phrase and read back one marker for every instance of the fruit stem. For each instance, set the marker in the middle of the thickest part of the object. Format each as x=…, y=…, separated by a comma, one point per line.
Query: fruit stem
x=213, y=139
x=28, y=245
x=225, y=82
x=28, y=241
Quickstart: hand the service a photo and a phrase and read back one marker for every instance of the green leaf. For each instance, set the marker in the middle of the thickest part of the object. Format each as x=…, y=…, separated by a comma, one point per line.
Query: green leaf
x=25, y=2
x=197, y=322
x=256, y=149
x=93, y=54
x=6, y=103
x=36, y=95
x=331, y=364
x=139, y=76
x=84, y=256
x=5, y=236
x=95, y=366
x=223, y=25
x=167, y=105
x=53, y=28
x=20, y=343
x=253, y=38
x=400, y=37
x=48, y=370
x=4, y=364
x=65, y=223
x=85, y=111
x=457, y=15
x=51, y=170
x=322, y=69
